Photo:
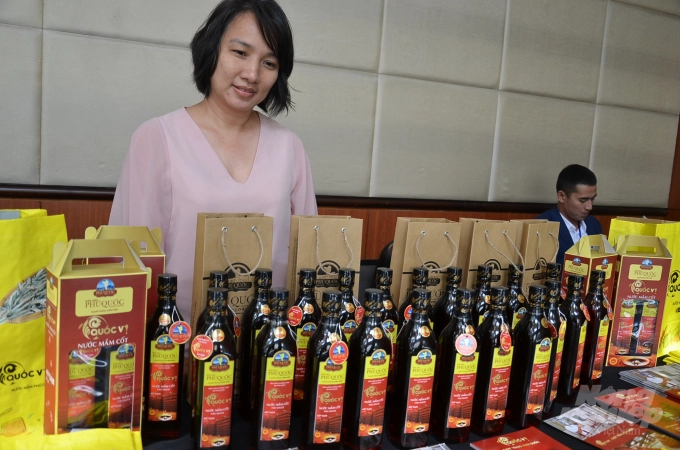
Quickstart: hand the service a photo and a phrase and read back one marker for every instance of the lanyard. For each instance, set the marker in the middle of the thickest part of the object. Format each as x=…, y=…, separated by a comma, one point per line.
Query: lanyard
x=579, y=230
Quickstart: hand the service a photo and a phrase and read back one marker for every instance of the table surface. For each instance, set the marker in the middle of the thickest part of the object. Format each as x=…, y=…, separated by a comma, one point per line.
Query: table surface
x=241, y=428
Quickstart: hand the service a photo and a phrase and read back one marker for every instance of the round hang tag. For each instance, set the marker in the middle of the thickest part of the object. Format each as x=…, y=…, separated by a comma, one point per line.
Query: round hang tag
x=506, y=341
x=294, y=316
x=553, y=331
x=201, y=347
x=237, y=326
x=544, y=323
x=180, y=332
x=585, y=312
x=563, y=329
x=407, y=312
x=338, y=352
x=164, y=319
x=308, y=308
x=466, y=344
x=359, y=314
x=424, y=331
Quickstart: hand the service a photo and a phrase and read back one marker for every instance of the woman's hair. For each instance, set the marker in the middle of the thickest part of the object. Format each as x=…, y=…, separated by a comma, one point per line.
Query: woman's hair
x=275, y=28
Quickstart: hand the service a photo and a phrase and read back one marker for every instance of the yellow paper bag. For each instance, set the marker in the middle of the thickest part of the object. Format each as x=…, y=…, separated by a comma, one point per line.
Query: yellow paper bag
x=96, y=439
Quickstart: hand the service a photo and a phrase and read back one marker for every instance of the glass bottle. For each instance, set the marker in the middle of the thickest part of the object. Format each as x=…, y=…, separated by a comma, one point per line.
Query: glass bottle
x=482, y=293
x=530, y=363
x=558, y=326
x=166, y=333
x=553, y=271
x=454, y=386
x=214, y=394
x=273, y=376
x=351, y=312
x=419, y=281
x=390, y=316
x=303, y=317
x=598, y=308
x=325, y=378
x=255, y=316
x=414, y=379
x=366, y=390
x=517, y=306
x=444, y=309
x=220, y=278
x=574, y=341
x=494, y=338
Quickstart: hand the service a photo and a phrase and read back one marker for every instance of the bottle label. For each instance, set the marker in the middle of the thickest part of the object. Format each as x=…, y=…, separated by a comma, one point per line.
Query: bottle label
x=348, y=328
x=586, y=311
x=237, y=326
x=180, y=332
x=359, y=314
x=518, y=316
x=121, y=385
x=598, y=364
x=419, y=400
x=462, y=390
x=373, y=394
x=163, y=379
x=294, y=316
x=579, y=355
x=407, y=313
x=330, y=394
x=80, y=390
x=303, y=334
x=647, y=327
x=498, y=386
x=278, y=397
x=466, y=345
x=539, y=377
x=202, y=347
x=218, y=383
x=558, y=363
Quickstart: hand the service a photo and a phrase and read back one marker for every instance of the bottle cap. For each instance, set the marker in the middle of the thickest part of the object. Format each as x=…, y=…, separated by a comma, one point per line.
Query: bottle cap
x=330, y=302
x=553, y=288
x=219, y=278
x=307, y=278
x=454, y=275
x=575, y=283
x=554, y=271
x=167, y=284
x=499, y=296
x=420, y=276
x=420, y=299
x=464, y=298
x=515, y=271
x=383, y=276
x=537, y=295
x=597, y=277
x=373, y=299
x=346, y=277
x=263, y=278
x=278, y=299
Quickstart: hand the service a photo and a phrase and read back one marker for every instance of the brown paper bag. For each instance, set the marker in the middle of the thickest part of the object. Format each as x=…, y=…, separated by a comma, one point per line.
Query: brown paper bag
x=492, y=243
x=467, y=226
x=538, y=243
x=327, y=244
x=433, y=243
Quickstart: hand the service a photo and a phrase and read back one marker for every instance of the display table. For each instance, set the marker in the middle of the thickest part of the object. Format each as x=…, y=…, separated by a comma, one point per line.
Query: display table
x=241, y=429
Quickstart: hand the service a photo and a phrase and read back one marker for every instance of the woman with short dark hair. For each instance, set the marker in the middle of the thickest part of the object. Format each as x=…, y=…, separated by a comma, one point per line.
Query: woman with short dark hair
x=221, y=155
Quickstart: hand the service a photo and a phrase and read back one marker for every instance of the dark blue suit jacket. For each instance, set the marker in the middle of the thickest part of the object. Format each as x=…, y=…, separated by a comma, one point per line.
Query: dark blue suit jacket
x=592, y=227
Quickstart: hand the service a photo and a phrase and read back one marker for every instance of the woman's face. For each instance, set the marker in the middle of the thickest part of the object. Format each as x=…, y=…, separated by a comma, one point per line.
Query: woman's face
x=247, y=68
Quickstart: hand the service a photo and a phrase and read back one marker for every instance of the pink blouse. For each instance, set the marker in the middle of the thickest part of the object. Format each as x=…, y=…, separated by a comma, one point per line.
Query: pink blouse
x=172, y=173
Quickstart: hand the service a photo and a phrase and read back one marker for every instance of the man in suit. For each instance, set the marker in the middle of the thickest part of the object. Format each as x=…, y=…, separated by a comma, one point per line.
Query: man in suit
x=576, y=191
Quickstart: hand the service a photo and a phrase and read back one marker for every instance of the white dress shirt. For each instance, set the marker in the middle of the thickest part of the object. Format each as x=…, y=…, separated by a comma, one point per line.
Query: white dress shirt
x=576, y=232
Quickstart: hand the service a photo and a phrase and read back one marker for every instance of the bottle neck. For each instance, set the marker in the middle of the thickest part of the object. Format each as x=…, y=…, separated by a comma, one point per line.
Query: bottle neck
x=261, y=295
x=373, y=318
x=535, y=309
x=330, y=319
x=419, y=316
x=166, y=304
x=513, y=283
x=278, y=318
x=464, y=315
x=385, y=288
x=306, y=291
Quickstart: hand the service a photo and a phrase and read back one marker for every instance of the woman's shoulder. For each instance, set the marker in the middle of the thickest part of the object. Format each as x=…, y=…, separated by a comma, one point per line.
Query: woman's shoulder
x=160, y=124
x=280, y=133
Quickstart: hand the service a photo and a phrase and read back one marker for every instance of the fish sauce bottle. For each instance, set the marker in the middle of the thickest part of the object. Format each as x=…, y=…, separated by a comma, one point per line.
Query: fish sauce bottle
x=483, y=294
x=553, y=271
x=220, y=279
x=444, y=308
x=558, y=326
x=351, y=312
x=530, y=363
x=166, y=335
x=215, y=386
x=273, y=377
x=517, y=304
x=414, y=380
x=454, y=386
x=255, y=316
x=495, y=343
x=366, y=390
x=599, y=312
x=574, y=341
x=419, y=280
x=81, y=389
x=325, y=378
x=303, y=317
x=389, y=316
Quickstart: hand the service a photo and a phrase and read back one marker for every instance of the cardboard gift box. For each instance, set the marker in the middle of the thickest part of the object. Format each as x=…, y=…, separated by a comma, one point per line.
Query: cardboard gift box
x=590, y=253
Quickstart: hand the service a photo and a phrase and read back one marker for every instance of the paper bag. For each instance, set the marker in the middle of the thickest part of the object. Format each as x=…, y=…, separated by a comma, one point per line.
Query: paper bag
x=490, y=243
x=538, y=243
x=418, y=242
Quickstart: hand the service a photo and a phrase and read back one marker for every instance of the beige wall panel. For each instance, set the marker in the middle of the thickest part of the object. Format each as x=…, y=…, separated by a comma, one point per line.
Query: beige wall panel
x=633, y=156
x=433, y=140
x=641, y=60
x=334, y=116
x=554, y=48
x=96, y=92
x=336, y=33
x=171, y=22
x=536, y=137
x=457, y=41
x=667, y=6
x=20, y=49
x=27, y=13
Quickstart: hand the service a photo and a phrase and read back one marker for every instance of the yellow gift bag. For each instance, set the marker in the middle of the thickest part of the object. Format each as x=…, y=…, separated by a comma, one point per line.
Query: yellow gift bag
x=26, y=241
x=96, y=439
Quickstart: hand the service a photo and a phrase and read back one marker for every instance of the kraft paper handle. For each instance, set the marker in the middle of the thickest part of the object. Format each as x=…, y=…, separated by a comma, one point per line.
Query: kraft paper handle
x=538, y=247
x=349, y=247
x=225, y=230
x=453, y=243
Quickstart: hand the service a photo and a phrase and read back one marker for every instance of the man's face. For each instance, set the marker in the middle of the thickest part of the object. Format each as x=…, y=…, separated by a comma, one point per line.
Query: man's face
x=578, y=205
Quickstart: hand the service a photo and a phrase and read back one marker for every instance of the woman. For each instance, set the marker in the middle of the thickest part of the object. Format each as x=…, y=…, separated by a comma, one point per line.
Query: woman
x=220, y=155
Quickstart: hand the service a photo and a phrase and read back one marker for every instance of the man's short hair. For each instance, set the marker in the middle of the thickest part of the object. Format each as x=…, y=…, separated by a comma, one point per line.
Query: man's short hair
x=573, y=175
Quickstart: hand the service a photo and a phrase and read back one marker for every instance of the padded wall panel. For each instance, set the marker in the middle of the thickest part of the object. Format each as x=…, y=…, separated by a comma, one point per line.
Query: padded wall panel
x=26, y=13
x=641, y=60
x=457, y=41
x=334, y=117
x=20, y=49
x=536, y=138
x=667, y=6
x=554, y=48
x=96, y=92
x=433, y=140
x=633, y=156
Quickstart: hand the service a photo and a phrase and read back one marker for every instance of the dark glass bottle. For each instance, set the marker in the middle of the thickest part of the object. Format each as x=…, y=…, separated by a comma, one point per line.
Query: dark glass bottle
x=273, y=377
x=598, y=329
x=574, y=341
x=325, y=378
x=390, y=316
x=220, y=278
x=530, y=363
x=482, y=293
x=164, y=364
x=303, y=317
x=214, y=394
x=419, y=281
x=553, y=271
x=517, y=305
x=255, y=316
x=351, y=312
x=494, y=338
x=366, y=390
x=454, y=386
x=444, y=309
x=414, y=379
x=558, y=326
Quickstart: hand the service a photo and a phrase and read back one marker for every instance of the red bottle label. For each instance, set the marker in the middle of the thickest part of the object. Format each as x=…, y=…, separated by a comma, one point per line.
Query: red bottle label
x=180, y=332
x=419, y=400
x=80, y=390
x=376, y=370
x=462, y=391
x=278, y=397
x=303, y=335
x=625, y=330
x=218, y=383
x=121, y=383
x=330, y=393
x=497, y=397
x=163, y=379
x=539, y=377
x=579, y=356
x=359, y=314
x=237, y=326
x=294, y=316
x=558, y=362
x=407, y=312
x=598, y=364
